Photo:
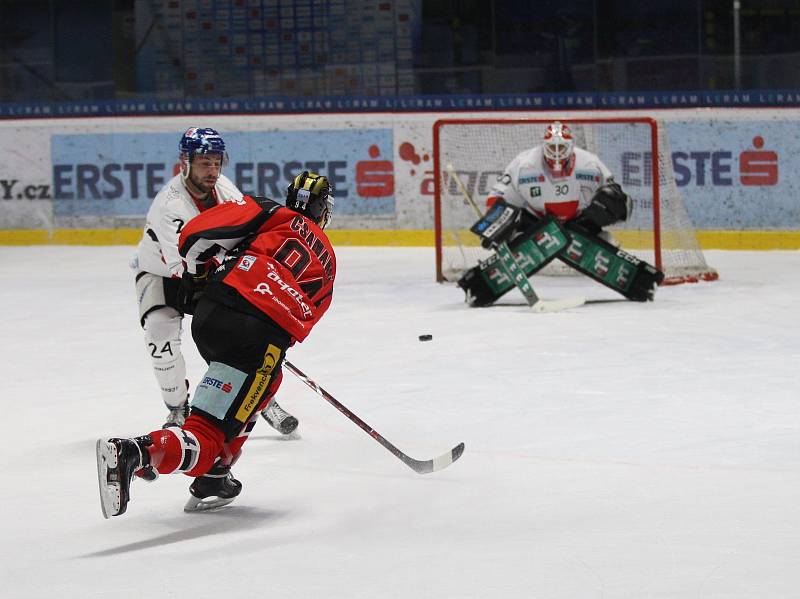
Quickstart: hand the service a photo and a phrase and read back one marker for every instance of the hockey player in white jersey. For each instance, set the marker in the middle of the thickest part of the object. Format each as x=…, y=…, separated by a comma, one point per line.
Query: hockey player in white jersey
x=198, y=186
x=562, y=180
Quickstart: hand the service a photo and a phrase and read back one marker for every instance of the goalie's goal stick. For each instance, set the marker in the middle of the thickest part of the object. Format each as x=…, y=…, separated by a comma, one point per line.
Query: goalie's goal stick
x=512, y=268
x=418, y=466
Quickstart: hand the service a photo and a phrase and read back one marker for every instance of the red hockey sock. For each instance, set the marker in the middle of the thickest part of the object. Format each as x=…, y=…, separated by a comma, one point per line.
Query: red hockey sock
x=211, y=441
x=191, y=449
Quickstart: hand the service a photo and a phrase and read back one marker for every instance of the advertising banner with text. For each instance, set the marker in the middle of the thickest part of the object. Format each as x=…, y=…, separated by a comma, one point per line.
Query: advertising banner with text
x=733, y=173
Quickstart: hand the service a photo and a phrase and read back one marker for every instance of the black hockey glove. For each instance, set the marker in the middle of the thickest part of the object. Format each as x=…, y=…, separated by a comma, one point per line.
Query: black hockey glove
x=497, y=225
x=190, y=291
x=609, y=205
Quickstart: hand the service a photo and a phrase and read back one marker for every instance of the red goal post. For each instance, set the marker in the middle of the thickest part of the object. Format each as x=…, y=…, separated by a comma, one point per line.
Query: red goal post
x=637, y=151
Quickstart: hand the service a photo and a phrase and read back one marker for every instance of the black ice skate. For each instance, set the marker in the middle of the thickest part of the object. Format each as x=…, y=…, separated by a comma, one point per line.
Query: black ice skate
x=117, y=461
x=177, y=415
x=279, y=419
x=213, y=490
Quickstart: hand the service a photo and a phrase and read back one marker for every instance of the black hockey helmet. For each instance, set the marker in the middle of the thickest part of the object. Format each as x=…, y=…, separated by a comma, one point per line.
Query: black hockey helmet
x=311, y=195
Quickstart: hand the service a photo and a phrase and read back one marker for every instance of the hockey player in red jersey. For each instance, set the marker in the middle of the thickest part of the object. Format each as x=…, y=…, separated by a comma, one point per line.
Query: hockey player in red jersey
x=258, y=277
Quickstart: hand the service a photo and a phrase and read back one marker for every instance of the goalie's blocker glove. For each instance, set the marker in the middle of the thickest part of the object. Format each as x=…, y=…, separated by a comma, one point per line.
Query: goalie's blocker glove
x=498, y=225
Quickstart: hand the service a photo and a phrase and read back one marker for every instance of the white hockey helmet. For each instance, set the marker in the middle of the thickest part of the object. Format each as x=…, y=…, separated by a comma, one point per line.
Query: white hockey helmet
x=558, y=147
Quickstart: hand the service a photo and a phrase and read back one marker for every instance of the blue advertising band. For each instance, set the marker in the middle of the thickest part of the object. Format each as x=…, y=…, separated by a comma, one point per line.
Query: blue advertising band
x=367, y=104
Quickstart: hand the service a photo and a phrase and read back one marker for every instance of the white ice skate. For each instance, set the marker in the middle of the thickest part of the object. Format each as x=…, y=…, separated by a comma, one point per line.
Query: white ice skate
x=117, y=461
x=280, y=419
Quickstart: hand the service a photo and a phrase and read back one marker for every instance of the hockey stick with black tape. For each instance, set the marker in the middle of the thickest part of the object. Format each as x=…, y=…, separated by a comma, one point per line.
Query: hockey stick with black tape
x=418, y=466
x=512, y=269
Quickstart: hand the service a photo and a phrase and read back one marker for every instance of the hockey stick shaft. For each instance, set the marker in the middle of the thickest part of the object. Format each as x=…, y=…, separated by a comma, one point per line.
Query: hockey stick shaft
x=419, y=466
x=507, y=261
x=463, y=190
x=514, y=272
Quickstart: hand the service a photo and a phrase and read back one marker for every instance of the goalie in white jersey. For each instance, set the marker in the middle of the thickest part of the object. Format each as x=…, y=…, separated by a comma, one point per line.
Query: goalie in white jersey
x=553, y=201
x=562, y=180
x=199, y=185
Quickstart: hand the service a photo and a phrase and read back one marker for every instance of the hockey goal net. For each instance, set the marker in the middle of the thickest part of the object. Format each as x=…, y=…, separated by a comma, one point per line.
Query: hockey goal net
x=635, y=149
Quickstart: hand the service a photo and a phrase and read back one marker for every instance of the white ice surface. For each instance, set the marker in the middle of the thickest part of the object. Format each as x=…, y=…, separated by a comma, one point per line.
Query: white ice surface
x=614, y=451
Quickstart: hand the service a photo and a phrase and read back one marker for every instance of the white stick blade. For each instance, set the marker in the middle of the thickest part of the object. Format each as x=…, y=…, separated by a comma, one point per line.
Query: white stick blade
x=444, y=460
x=558, y=305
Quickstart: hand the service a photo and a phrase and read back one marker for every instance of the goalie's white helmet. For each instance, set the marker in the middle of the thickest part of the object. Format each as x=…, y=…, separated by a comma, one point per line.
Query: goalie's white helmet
x=558, y=147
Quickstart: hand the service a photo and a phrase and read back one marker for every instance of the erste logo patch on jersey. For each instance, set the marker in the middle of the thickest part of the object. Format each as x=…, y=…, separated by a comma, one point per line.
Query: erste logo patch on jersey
x=587, y=176
x=217, y=384
x=533, y=178
x=247, y=262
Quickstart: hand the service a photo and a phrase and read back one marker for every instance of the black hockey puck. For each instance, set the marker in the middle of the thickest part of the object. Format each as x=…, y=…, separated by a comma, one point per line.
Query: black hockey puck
x=425, y=337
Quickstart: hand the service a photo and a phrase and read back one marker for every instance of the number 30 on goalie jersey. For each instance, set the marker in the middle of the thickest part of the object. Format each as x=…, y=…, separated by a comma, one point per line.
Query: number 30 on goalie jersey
x=278, y=260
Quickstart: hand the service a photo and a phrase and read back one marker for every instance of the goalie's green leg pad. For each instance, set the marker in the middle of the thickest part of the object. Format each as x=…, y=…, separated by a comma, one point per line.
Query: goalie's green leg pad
x=487, y=282
x=511, y=268
x=611, y=266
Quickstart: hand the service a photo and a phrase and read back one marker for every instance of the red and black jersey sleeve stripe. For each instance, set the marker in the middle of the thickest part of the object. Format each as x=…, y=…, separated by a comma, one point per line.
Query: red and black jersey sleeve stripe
x=223, y=226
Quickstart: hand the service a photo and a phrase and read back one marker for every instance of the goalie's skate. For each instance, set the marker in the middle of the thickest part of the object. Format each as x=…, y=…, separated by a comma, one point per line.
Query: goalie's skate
x=279, y=419
x=213, y=490
x=117, y=461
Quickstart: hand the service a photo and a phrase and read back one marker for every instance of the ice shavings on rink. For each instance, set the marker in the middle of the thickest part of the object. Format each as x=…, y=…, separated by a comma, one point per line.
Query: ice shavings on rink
x=616, y=450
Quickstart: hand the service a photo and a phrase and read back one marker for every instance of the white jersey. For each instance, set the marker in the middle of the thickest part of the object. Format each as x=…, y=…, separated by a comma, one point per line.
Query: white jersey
x=527, y=182
x=171, y=209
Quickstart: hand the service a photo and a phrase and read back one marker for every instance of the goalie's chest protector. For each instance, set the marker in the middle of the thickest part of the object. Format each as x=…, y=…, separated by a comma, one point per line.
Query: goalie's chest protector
x=563, y=197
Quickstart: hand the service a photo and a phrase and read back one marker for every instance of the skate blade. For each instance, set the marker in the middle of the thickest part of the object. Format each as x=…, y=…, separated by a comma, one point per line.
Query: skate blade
x=288, y=432
x=109, y=492
x=293, y=436
x=203, y=505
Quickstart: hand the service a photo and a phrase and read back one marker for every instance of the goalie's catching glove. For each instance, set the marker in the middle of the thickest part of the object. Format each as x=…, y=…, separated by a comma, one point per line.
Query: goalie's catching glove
x=609, y=205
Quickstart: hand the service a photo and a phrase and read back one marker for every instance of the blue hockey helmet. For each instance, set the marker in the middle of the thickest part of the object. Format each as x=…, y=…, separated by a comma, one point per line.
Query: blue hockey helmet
x=202, y=141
